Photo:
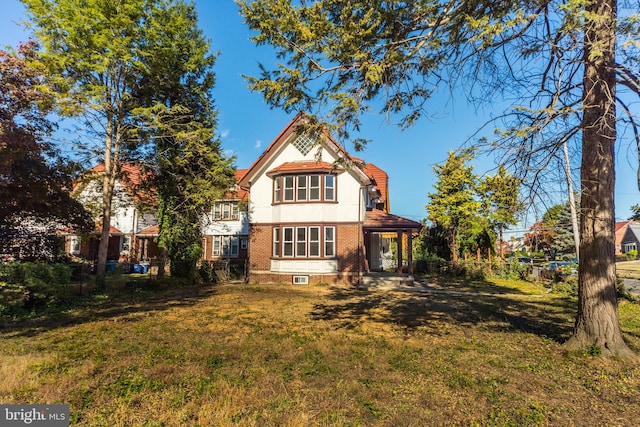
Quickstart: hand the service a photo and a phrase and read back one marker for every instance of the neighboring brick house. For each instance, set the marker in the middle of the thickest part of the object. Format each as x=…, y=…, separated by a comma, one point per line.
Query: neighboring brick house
x=318, y=214
x=621, y=229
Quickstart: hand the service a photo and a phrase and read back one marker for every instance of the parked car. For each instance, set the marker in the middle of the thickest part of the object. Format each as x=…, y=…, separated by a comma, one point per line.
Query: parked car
x=558, y=270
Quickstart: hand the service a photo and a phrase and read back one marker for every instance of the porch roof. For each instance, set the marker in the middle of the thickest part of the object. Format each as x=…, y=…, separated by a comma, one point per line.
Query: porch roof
x=152, y=231
x=378, y=220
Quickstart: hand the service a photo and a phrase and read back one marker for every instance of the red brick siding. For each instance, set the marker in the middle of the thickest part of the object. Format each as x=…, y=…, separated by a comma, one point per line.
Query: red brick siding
x=348, y=236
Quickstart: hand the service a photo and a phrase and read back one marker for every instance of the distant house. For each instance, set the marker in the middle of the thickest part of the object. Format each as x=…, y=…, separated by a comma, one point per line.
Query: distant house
x=621, y=229
x=133, y=221
x=134, y=227
x=226, y=229
x=631, y=238
x=318, y=214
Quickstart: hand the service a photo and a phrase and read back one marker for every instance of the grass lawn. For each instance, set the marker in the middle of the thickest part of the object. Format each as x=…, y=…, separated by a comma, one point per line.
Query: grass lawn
x=274, y=355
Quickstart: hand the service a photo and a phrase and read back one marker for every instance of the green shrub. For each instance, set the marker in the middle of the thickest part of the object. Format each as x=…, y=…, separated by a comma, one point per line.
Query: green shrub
x=631, y=255
x=31, y=285
x=568, y=286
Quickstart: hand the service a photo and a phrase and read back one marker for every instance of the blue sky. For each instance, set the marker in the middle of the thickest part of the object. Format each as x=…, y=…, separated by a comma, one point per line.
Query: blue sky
x=247, y=125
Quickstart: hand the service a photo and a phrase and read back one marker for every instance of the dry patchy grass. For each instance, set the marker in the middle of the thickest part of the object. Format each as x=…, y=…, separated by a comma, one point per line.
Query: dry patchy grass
x=327, y=356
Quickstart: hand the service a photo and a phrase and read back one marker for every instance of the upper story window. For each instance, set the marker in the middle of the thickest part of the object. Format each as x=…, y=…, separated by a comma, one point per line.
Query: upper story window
x=304, y=188
x=225, y=211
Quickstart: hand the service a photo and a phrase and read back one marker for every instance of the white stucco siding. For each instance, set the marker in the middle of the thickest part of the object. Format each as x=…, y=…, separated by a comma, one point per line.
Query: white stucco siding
x=228, y=228
x=262, y=209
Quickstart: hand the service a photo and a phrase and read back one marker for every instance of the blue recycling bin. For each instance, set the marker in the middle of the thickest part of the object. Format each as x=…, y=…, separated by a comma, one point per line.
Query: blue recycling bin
x=137, y=268
x=111, y=266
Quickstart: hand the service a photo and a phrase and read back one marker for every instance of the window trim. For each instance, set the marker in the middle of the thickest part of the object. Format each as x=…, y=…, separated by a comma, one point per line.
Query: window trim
x=226, y=210
x=288, y=248
x=297, y=188
x=225, y=246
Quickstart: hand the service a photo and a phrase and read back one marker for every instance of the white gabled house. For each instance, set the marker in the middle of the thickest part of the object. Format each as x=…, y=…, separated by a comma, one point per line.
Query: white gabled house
x=226, y=230
x=304, y=212
x=317, y=214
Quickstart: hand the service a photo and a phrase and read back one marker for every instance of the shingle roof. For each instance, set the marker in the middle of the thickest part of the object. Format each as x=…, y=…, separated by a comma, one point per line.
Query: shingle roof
x=382, y=182
x=154, y=230
x=304, y=166
x=375, y=219
x=131, y=177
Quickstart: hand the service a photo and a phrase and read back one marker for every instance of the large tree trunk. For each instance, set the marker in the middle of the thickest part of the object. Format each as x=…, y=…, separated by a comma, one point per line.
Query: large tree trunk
x=597, y=322
x=108, y=183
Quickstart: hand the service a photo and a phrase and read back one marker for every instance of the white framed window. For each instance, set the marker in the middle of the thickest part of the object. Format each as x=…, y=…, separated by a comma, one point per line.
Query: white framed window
x=329, y=241
x=329, y=187
x=288, y=189
x=304, y=188
x=304, y=242
x=225, y=211
x=225, y=246
x=276, y=190
x=215, y=247
x=287, y=242
x=314, y=187
x=244, y=244
x=301, y=188
x=314, y=241
x=301, y=242
x=74, y=245
x=276, y=241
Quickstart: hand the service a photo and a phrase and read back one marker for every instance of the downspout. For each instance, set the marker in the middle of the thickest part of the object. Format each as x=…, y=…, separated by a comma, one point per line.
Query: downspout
x=360, y=231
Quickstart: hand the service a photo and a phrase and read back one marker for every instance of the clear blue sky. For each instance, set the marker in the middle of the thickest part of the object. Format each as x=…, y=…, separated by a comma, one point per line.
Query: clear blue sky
x=247, y=125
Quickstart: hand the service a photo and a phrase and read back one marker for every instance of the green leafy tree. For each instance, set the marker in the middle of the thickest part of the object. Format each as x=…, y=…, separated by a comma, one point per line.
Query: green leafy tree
x=557, y=220
x=190, y=168
x=635, y=213
x=453, y=206
x=35, y=181
x=95, y=51
x=342, y=58
x=500, y=199
x=106, y=58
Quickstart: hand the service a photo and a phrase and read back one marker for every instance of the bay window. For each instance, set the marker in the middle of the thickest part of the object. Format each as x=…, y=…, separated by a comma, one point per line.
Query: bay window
x=304, y=188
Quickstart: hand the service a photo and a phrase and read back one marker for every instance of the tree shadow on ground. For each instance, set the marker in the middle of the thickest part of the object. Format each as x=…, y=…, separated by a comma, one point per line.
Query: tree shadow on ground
x=410, y=310
x=119, y=303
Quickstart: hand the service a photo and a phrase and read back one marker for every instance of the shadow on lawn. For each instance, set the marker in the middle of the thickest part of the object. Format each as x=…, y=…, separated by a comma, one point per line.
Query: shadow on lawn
x=110, y=305
x=501, y=313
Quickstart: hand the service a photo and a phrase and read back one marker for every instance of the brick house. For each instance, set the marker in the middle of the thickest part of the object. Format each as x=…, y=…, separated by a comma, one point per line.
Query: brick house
x=316, y=214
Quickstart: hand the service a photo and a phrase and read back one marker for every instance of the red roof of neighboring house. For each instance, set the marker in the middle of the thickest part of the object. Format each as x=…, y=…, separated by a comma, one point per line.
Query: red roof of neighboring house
x=131, y=177
x=621, y=228
x=239, y=192
x=376, y=219
x=620, y=225
x=154, y=230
